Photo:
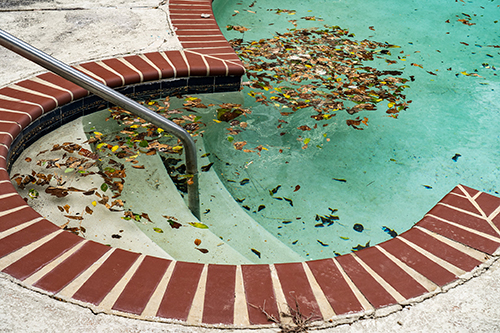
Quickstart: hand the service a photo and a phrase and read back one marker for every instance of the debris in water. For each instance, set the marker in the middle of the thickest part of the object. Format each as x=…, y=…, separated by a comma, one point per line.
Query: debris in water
x=358, y=227
x=391, y=232
x=455, y=158
x=257, y=253
x=360, y=247
x=324, y=244
x=340, y=180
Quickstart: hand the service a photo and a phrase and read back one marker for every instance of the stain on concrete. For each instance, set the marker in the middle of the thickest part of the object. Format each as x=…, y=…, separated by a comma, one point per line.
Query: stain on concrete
x=10, y=4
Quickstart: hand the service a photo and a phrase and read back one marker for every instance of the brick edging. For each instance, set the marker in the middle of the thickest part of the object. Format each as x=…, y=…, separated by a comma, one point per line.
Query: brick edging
x=458, y=235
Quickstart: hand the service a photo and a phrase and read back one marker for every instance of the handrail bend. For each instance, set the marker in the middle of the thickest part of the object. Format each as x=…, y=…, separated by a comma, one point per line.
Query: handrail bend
x=35, y=55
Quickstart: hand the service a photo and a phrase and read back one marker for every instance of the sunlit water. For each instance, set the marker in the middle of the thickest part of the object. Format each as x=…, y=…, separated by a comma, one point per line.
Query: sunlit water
x=376, y=182
x=395, y=169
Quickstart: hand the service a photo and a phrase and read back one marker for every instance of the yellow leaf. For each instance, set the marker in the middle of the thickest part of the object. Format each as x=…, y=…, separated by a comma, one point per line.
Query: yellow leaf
x=198, y=225
x=98, y=133
x=115, y=148
x=390, y=105
x=217, y=121
x=134, y=126
x=160, y=130
x=177, y=148
x=94, y=203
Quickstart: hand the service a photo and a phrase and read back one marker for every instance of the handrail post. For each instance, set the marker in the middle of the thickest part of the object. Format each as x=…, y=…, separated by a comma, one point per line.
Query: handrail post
x=46, y=61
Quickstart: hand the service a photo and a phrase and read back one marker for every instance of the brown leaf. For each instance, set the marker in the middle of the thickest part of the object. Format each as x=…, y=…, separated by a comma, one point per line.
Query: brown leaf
x=197, y=242
x=304, y=128
x=297, y=188
x=239, y=144
x=73, y=217
x=88, y=210
x=204, y=251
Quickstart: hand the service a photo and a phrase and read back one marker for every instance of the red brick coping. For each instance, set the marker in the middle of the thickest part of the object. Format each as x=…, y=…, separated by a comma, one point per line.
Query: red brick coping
x=459, y=234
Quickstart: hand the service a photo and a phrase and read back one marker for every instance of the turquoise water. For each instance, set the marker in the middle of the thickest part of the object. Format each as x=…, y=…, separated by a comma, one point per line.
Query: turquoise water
x=395, y=170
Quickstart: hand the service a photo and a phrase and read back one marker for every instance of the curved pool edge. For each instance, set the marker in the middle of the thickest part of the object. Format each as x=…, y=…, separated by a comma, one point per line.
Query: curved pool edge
x=455, y=240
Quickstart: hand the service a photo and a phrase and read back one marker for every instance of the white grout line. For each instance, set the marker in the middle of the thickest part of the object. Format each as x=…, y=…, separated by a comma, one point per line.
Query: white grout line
x=163, y=54
x=325, y=307
x=390, y=289
x=8, y=134
x=422, y=280
x=3, y=196
x=110, y=299
x=19, y=227
x=18, y=254
x=52, y=85
x=50, y=266
x=240, y=316
x=494, y=213
x=210, y=56
x=280, y=297
x=11, y=99
x=443, y=263
x=195, y=315
x=14, y=111
x=462, y=210
x=11, y=122
x=91, y=74
x=12, y=210
x=473, y=201
x=70, y=289
x=458, y=195
x=472, y=231
x=34, y=92
x=478, y=255
x=132, y=67
x=154, y=302
x=111, y=69
x=152, y=64
x=359, y=295
x=186, y=61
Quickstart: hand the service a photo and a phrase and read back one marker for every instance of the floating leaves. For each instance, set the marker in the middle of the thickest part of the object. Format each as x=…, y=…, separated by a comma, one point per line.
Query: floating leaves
x=358, y=227
x=256, y=252
x=360, y=247
x=323, y=69
x=391, y=232
x=158, y=230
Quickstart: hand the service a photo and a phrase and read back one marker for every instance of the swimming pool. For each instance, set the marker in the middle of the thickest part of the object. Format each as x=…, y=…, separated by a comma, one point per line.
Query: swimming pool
x=452, y=240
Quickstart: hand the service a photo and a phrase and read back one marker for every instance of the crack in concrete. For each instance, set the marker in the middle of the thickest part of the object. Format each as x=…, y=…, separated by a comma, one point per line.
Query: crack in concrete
x=75, y=8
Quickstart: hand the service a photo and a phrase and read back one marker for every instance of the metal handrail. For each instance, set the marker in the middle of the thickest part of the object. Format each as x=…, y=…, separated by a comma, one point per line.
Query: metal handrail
x=33, y=54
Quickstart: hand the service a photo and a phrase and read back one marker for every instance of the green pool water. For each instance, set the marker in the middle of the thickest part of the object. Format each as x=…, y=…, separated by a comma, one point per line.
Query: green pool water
x=395, y=170
x=314, y=193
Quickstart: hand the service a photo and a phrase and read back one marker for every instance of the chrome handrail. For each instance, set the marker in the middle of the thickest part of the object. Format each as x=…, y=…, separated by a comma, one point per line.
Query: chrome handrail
x=33, y=54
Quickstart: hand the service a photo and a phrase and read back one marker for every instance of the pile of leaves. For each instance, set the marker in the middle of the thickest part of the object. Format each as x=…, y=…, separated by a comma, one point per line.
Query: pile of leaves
x=322, y=69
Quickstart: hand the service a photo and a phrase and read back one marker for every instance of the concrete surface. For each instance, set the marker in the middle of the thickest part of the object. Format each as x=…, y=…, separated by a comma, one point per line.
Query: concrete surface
x=87, y=30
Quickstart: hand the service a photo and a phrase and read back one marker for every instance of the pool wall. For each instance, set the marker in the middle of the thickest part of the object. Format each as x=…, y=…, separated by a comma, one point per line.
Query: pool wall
x=454, y=241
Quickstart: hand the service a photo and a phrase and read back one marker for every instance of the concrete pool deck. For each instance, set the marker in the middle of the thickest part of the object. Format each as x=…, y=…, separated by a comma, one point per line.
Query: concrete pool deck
x=467, y=307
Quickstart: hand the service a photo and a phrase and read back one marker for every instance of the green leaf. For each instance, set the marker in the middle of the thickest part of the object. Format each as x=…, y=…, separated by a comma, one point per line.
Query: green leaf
x=158, y=230
x=198, y=225
x=104, y=187
x=230, y=139
x=68, y=170
x=307, y=140
x=143, y=143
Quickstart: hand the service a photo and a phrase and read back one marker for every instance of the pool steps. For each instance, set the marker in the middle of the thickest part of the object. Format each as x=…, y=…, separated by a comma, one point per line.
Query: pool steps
x=453, y=241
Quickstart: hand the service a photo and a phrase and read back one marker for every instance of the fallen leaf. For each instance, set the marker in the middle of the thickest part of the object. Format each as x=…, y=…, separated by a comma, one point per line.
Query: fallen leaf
x=198, y=225
x=197, y=242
